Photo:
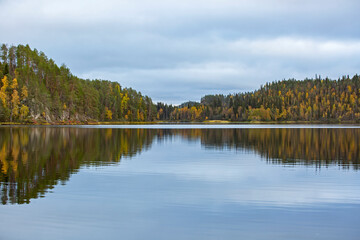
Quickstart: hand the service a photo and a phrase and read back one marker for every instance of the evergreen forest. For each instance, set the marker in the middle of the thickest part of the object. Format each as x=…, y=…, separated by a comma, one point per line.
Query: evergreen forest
x=34, y=89
x=308, y=100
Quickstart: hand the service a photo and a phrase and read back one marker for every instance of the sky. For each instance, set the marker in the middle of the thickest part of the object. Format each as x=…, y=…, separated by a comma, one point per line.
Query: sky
x=176, y=51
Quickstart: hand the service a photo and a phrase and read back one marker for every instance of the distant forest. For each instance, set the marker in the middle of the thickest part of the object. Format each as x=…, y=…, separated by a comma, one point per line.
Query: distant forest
x=35, y=89
x=288, y=100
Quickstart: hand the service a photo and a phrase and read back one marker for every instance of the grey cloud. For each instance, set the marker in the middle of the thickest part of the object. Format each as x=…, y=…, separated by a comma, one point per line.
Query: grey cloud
x=176, y=51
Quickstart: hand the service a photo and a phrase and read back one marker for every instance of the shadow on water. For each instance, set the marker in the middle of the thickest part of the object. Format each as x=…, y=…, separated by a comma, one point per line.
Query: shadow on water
x=34, y=160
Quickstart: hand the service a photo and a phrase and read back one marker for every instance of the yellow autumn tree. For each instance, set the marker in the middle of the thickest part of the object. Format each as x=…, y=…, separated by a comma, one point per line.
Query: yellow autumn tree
x=24, y=112
x=108, y=113
x=3, y=96
x=118, y=89
x=15, y=101
x=24, y=93
x=124, y=102
x=159, y=114
x=138, y=115
x=14, y=84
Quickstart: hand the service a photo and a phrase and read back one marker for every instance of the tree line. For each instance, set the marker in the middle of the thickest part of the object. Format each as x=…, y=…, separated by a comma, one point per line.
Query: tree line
x=34, y=88
x=287, y=100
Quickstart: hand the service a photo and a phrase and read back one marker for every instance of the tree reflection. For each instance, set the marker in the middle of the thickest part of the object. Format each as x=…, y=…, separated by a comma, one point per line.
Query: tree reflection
x=34, y=160
x=318, y=146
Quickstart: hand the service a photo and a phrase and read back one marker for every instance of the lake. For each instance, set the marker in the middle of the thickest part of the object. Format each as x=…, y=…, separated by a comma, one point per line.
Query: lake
x=180, y=182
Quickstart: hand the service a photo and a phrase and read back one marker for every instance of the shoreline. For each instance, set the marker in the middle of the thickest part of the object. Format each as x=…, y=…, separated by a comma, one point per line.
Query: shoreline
x=211, y=122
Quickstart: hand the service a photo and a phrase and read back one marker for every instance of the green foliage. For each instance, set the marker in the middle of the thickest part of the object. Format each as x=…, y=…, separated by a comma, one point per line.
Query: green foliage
x=259, y=114
x=53, y=94
x=288, y=100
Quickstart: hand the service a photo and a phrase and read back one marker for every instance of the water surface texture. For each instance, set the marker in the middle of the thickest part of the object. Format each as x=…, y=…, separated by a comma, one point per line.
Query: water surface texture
x=180, y=182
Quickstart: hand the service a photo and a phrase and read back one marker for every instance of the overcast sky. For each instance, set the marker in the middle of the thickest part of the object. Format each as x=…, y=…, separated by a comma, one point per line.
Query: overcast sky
x=176, y=51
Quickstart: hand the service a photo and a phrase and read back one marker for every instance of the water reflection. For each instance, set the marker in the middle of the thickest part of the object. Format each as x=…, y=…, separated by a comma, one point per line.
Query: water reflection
x=290, y=146
x=33, y=160
x=308, y=146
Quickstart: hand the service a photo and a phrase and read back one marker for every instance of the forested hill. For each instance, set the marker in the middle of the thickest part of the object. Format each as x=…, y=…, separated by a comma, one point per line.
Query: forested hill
x=34, y=88
x=289, y=100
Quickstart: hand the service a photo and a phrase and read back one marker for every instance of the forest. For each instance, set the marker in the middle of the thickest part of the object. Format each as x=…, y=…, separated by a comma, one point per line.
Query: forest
x=34, y=89
x=316, y=99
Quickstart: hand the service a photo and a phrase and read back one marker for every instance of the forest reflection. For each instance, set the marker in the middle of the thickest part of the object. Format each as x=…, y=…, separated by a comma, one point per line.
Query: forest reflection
x=305, y=146
x=34, y=160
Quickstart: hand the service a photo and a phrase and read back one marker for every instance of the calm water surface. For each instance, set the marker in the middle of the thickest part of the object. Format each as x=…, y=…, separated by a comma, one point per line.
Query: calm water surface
x=180, y=182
